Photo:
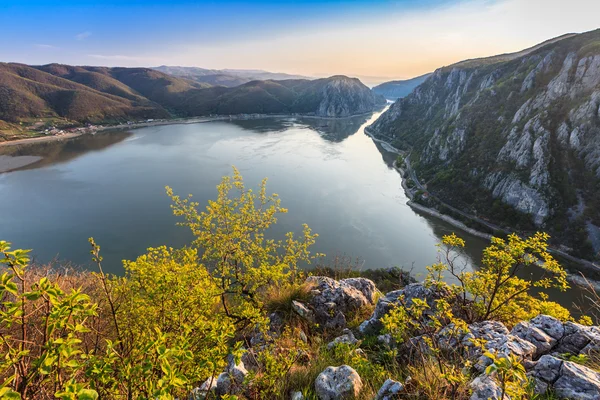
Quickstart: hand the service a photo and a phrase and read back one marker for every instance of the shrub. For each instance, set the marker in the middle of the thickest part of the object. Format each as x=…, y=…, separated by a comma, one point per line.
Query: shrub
x=231, y=240
x=496, y=289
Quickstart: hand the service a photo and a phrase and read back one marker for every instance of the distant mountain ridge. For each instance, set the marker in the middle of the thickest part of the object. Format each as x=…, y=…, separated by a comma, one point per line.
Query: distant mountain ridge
x=225, y=77
x=101, y=94
x=514, y=138
x=394, y=90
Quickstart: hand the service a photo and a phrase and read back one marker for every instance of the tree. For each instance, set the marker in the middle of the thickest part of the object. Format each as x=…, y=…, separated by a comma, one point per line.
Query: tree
x=497, y=289
x=230, y=238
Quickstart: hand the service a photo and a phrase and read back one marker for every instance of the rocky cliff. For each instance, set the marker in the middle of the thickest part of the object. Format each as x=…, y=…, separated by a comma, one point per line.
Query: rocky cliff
x=341, y=96
x=514, y=137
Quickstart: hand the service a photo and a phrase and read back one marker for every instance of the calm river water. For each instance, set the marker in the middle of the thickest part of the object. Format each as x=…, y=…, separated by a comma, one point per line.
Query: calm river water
x=328, y=173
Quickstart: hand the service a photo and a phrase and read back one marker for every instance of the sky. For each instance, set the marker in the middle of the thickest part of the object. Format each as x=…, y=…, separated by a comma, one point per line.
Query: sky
x=373, y=39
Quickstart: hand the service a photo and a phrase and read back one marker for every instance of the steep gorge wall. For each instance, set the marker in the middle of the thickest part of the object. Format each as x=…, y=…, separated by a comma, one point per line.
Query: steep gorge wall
x=525, y=131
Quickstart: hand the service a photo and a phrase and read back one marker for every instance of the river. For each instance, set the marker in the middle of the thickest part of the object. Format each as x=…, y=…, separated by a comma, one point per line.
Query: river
x=328, y=173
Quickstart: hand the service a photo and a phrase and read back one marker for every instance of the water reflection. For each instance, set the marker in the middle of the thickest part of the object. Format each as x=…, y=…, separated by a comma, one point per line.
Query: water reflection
x=62, y=151
x=331, y=129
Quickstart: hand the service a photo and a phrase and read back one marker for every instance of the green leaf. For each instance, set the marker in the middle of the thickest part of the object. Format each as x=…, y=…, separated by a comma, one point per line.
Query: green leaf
x=9, y=394
x=87, y=394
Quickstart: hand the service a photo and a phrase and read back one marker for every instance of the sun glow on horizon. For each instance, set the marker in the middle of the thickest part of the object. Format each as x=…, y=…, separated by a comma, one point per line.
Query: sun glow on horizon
x=382, y=39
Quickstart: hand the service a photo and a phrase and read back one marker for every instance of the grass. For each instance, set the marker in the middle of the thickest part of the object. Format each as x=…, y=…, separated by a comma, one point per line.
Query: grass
x=279, y=300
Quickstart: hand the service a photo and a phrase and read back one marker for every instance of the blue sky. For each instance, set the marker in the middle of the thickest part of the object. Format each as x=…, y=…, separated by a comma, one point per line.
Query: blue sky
x=399, y=38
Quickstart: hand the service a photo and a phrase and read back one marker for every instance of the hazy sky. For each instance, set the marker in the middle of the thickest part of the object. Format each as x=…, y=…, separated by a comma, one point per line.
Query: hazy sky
x=399, y=39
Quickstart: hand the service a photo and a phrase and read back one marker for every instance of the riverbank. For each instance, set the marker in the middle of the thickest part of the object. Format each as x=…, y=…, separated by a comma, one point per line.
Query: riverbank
x=175, y=121
x=584, y=265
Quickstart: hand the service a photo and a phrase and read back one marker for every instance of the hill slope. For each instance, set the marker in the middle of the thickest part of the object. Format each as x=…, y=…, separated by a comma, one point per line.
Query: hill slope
x=70, y=93
x=394, y=90
x=520, y=131
x=100, y=94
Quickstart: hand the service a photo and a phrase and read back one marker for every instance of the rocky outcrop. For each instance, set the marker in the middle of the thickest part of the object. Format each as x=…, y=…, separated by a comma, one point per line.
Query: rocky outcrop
x=401, y=297
x=202, y=392
x=567, y=380
x=337, y=383
x=517, y=128
x=333, y=300
x=343, y=97
x=549, y=335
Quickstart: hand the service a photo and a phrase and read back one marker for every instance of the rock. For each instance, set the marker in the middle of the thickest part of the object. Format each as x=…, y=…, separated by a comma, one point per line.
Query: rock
x=365, y=286
x=547, y=369
x=398, y=297
x=577, y=382
x=297, y=396
x=550, y=325
x=386, y=339
x=566, y=379
x=231, y=381
x=336, y=383
x=303, y=336
x=249, y=360
x=332, y=300
x=347, y=338
x=224, y=385
x=485, y=388
x=579, y=339
x=543, y=342
x=543, y=331
x=389, y=390
x=200, y=393
x=497, y=339
x=276, y=322
x=302, y=310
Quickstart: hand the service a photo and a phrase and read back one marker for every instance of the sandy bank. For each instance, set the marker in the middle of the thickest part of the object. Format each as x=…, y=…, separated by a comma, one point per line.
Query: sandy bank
x=8, y=163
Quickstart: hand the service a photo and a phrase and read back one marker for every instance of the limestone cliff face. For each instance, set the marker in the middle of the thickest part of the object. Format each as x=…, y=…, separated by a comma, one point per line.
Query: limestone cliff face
x=522, y=128
x=341, y=96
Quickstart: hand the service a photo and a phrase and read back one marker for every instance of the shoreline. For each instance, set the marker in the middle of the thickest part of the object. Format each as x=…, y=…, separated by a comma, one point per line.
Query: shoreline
x=175, y=121
x=572, y=277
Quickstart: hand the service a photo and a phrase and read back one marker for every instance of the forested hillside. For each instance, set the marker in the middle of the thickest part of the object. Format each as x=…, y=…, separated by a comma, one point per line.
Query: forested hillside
x=514, y=138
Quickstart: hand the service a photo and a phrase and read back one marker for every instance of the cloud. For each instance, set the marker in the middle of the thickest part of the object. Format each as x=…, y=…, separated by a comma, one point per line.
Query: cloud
x=83, y=35
x=46, y=46
x=119, y=57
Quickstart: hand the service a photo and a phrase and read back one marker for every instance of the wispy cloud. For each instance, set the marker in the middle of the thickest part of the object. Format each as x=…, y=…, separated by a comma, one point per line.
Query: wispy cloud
x=83, y=35
x=46, y=46
x=119, y=57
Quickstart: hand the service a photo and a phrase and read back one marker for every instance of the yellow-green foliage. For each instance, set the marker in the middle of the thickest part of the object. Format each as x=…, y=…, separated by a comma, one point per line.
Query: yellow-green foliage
x=496, y=289
x=168, y=303
x=41, y=334
x=231, y=239
x=168, y=324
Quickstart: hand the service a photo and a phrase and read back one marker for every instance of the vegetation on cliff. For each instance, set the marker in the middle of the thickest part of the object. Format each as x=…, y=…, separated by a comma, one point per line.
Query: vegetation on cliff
x=517, y=131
